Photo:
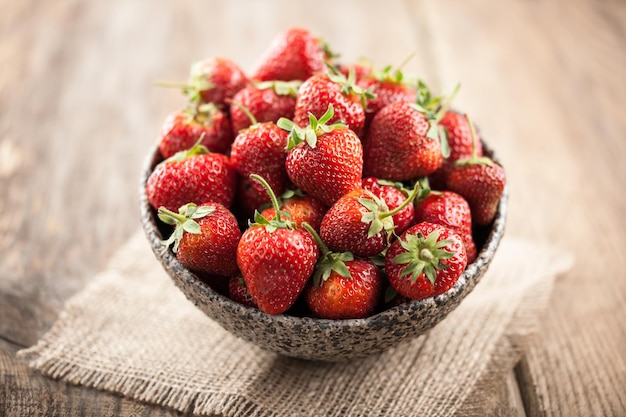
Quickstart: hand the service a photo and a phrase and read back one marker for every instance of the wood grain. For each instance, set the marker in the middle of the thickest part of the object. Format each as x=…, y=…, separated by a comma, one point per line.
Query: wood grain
x=78, y=110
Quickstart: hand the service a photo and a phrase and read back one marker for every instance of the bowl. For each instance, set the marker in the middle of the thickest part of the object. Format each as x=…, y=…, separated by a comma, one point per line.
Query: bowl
x=312, y=338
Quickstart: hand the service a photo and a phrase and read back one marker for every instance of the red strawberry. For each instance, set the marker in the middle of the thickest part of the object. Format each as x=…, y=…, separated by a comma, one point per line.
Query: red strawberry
x=388, y=87
x=301, y=209
x=460, y=143
x=205, y=237
x=214, y=80
x=404, y=140
x=343, y=287
x=267, y=101
x=238, y=292
x=399, y=146
x=361, y=223
x=275, y=260
x=393, y=194
x=323, y=90
x=294, y=55
x=325, y=161
x=193, y=176
x=261, y=149
x=185, y=128
x=451, y=210
x=426, y=261
x=481, y=181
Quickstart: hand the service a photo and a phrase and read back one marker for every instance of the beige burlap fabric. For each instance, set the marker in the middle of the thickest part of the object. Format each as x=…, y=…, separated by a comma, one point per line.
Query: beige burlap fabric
x=131, y=331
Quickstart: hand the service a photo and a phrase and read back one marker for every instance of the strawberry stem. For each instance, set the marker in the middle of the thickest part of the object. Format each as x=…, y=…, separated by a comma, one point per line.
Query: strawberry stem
x=409, y=200
x=474, y=159
x=245, y=110
x=270, y=192
x=183, y=221
x=323, y=248
x=329, y=261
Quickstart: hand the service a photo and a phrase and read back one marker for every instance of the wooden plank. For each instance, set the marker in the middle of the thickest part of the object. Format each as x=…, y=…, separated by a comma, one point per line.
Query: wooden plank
x=26, y=393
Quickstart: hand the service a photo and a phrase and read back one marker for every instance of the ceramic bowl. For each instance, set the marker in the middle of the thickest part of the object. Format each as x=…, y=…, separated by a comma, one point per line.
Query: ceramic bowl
x=312, y=338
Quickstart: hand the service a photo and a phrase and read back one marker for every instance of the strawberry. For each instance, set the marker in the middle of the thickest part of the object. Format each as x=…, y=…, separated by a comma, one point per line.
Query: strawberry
x=261, y=149
x=325, y=161
x=192, y=176
x=275, y=259
x=460, y=143
x=451, y=210
x=205, y=123
x=267, y=101
x=323, y=90
x=388, y=86
x=238, y=292
x=294, y=55
x=205, y=237
x=213, y=80
x=426, y=261
x=343, y=287
x=394, y=195
x=361, y=223
x=300, y=208
x=399, y=145
x=481, y=182
x=404, y=140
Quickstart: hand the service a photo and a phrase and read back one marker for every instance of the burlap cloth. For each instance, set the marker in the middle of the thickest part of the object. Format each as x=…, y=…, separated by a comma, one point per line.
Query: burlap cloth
x=131, y=331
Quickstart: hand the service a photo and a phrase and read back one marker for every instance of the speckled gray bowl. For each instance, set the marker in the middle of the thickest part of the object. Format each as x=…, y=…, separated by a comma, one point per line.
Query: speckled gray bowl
x=320, y=339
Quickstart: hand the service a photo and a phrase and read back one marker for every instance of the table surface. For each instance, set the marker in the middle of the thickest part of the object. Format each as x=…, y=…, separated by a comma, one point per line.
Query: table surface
x=545, y=80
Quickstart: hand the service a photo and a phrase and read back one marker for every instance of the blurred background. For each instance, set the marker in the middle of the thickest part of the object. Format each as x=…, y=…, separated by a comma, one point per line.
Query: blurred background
x=544, y=81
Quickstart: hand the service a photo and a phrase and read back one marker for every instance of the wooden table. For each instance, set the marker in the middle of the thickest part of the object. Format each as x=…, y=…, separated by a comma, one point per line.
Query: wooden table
x=545, y=80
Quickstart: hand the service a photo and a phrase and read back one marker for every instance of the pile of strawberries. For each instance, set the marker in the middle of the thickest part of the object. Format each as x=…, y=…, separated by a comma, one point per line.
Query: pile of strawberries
x=321, y=189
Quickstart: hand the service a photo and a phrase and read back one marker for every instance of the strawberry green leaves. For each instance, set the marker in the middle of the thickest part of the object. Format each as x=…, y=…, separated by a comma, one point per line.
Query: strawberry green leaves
x=184, y=221
x=330, y=261
x=277, y=222
x=348, y=85
x=423, y=254
x=434, y=108
x=282, y=88
x=316, y=127
x=379, y=216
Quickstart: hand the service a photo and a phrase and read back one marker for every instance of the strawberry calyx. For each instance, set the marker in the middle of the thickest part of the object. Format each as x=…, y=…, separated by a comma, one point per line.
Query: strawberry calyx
x=329, y=262
x=423, y=255
x=329, y=54
x=195, y=150
x=434, y=108
x=281, y=88
x=196, y=84
x=203, y=114
x=474, y=159
x=379, y=217
x=389, y=74
x=348, y=84
x=277, y=222
x=184, y=221
x=316, y=127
